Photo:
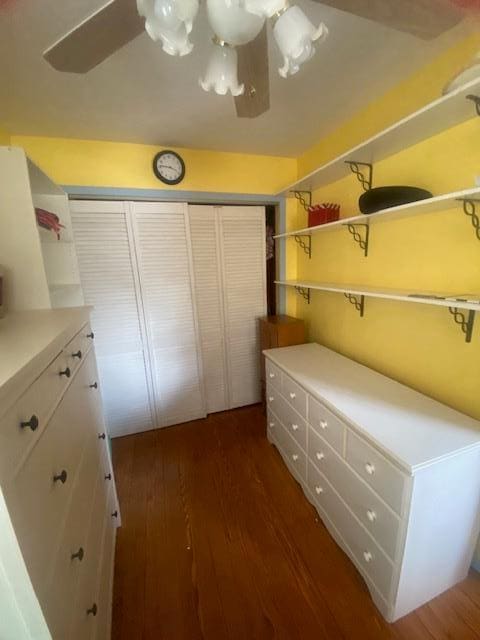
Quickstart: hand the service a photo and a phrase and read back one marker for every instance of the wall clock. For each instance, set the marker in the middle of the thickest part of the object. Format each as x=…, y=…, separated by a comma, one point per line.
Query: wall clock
x=169, y=167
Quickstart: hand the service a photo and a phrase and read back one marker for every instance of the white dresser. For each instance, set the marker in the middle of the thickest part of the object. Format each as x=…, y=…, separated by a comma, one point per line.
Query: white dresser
x=394, y=475
x=58, y=504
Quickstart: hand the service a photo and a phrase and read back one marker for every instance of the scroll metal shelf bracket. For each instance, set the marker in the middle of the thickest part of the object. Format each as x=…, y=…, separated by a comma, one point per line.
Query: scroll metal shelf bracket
x=304, y=292
x=470, y=210
x=357, y=236
x=358, y=302
x=306, y=243
x=365, y=175
x=476, y=101
x=304, y=197
x=465, y=321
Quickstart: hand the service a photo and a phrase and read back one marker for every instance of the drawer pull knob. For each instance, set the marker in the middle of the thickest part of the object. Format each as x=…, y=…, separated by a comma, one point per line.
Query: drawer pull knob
x=318, y=490
x=31, y=424
x=94, y=385
x=323, y=424
x=115, y=514
x=271, y=425
x=93, y=610
x=370, y=468
x=271, y=375
x=271, y=398
x=371, y=515
x=66, y=372
x=108, y=476
x=292, y=395
x=77, y=354
x=319, y=455
x=61, y=477
x=295, y=427
x=295, y=457
x=368, y=556
x=91, y=335
x=79, y=555
x=101, y=436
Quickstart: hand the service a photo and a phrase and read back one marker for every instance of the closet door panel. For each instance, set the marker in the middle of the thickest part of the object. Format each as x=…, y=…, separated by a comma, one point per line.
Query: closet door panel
x=208, y=287
x=164, y=262
x=107, y=273
x=243, y=262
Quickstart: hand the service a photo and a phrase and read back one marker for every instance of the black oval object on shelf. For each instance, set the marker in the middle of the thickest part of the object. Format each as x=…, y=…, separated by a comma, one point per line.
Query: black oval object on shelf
x=380, y=198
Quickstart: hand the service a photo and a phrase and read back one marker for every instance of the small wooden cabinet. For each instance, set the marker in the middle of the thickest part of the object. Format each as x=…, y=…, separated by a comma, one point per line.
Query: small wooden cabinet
x=280, y=331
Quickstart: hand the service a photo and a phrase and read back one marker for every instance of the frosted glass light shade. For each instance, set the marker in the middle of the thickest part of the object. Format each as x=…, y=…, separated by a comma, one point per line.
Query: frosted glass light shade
x=264, y=8
x=294, y=35
x=222, y=74
x=232, y=23
x=169, y=21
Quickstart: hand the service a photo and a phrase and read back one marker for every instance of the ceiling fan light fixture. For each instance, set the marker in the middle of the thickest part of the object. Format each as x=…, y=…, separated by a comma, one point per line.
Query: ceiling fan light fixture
x=222, y=70
x=169, y=21
x=265, y=8
x=295, y=35
x=232, y=23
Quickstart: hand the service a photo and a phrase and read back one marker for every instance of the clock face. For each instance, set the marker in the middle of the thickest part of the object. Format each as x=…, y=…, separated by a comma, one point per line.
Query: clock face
x=169, y=167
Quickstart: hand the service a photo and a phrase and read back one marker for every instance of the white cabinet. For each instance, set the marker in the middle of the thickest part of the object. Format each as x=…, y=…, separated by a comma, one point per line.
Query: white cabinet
x=395, y=476
x=41, y=269
x=58, y=504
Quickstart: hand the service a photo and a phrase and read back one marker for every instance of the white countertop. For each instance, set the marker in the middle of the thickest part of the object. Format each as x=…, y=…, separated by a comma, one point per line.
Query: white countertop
x=31, y=338
x=414, y=430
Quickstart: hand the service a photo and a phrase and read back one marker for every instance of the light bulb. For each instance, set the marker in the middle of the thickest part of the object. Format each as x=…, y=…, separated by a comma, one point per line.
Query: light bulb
x=294, y=35
x=264, y=8
x=222, y=74
x=169, y=21
x=232, y=23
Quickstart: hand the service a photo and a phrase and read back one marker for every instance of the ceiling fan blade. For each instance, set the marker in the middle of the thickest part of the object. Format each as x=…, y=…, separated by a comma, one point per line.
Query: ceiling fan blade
x=96, y=38
x=253, y=73
x=425, y=19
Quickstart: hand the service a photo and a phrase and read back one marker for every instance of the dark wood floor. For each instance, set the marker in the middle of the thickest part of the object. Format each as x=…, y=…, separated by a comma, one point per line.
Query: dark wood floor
x=218, y=542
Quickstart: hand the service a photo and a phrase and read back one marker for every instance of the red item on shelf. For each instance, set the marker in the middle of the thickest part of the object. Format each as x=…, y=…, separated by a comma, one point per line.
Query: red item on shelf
x=49, y=221
x=322, y=213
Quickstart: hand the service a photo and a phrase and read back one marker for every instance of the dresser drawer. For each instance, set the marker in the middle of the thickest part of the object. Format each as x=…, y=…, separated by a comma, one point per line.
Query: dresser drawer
x=377, y=471
x=274, y=400
x=324, y=457
x=292, y=421
x=77, y=349
x=273, y=424
x=294, y=457
x=106, y=584
x=326, y=424
x=26, y=420
x=295, y=395
x=273, y=375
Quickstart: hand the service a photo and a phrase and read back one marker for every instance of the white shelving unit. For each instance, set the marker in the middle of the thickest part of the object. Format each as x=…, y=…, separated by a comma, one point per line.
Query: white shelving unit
x=439, y=115
x=42, y=271
x=356, y=294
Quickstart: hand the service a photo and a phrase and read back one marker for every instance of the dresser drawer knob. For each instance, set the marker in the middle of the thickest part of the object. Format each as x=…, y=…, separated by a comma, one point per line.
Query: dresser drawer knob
x=108, y=476
x=295, y=457
x=31, y=424
x=371, y=515
x=77, y=354
x=318, y=490
x=93, y=610
x=61, y=477
x=368, y=556
x=115, y=514
x=271, y=376
x=91, y=335
x=271, y=398
x=292, y=395
x=79, y=555
x=370, y=468
x=319, y=455
x=271, y=425
x=295, y=427
x=94, y=385
x=66, y=372
x=101, y=436
x=323, y=424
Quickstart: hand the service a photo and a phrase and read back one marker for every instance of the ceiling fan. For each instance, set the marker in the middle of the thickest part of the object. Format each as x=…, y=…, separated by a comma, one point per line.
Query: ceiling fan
x=239, y=58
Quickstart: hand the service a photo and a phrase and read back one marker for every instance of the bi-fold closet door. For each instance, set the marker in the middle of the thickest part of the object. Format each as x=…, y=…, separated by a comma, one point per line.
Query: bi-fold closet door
x=177, y=292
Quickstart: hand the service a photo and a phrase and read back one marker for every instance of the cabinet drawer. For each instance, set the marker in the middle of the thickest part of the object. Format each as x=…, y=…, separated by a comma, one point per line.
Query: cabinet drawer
x=295, y=395
x=324, y=457
x=292, y=421
x=273, y=424
x=294, y=457
x=326, y=424
x=33, y=409
x=365, y=552
x=377, y=471
x=273, y=375
x=106, y=584
x=274, y=399
x=77, y=349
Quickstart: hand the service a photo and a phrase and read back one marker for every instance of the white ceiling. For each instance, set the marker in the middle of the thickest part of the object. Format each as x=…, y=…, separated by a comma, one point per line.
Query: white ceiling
x=142, y=95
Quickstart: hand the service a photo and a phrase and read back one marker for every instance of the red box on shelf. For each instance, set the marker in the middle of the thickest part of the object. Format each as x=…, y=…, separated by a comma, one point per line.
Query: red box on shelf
x=322, y=213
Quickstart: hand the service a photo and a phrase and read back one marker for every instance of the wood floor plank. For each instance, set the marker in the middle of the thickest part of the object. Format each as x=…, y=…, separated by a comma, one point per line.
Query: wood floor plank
x=219, y=543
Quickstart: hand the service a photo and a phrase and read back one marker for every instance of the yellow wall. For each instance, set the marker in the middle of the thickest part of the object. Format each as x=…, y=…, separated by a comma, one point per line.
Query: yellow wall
x=416, y=344
x=4, y=137
x=114, y=164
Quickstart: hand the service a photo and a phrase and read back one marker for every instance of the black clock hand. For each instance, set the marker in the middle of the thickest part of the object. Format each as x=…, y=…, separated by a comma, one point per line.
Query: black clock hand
x=167, y=166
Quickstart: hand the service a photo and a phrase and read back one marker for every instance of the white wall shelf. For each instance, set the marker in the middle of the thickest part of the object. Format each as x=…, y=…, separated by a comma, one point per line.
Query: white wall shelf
x=356, y=294
x=437, y=116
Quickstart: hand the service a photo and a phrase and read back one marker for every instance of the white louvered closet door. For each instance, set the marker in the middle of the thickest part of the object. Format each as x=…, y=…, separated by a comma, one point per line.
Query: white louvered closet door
x=243, y=260
x=106, y=259
x=209, y=294
x=162, y=242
